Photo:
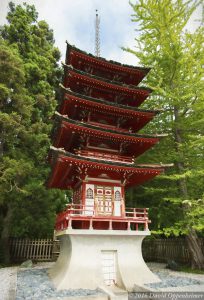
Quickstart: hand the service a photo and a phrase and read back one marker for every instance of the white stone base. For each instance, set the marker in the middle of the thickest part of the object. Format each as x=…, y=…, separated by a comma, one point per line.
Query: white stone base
x=80, y=262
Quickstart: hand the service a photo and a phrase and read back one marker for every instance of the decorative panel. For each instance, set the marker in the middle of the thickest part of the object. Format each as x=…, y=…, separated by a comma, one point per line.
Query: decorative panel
x=103, y=200
x=77, y=196
x=117, y=201
x=89, y=200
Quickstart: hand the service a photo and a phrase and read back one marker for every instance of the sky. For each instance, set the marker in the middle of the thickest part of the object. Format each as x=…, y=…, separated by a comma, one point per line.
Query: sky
x=73, y=20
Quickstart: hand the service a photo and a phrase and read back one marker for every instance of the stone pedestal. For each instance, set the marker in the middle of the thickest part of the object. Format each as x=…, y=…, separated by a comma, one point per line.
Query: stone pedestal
x=94, y=258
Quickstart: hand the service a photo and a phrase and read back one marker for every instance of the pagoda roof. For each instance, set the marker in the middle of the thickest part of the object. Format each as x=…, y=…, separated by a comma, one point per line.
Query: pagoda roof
x=114, y=105
x=79, y=80
x=106, y=80
x=73, y=104
x=125, y=135
x=126, y=73
x=67, y=169
x=69, y=132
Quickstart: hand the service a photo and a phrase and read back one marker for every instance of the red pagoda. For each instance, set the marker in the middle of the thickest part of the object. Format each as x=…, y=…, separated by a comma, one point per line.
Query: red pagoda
x=95, y=143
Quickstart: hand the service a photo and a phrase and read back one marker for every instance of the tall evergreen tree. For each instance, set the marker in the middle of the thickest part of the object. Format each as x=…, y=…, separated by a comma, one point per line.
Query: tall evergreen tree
x=176, y=58
x=29, y=77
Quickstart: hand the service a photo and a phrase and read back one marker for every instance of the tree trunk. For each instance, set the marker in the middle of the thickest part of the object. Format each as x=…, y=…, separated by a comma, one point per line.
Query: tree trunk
x=194, y=247
x=5, y=235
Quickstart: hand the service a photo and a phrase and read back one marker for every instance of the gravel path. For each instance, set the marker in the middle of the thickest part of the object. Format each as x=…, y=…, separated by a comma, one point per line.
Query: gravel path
x=174, y=281
x=8, y=279
x=33, y=283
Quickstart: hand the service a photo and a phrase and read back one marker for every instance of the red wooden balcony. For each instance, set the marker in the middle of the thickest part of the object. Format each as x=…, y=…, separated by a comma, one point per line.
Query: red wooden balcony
x=106, y=156
x=108, y=126
x=78, y=216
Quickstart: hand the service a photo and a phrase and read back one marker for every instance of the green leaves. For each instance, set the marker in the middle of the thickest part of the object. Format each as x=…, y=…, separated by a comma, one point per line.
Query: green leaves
x=176, y=58
x=29, y=77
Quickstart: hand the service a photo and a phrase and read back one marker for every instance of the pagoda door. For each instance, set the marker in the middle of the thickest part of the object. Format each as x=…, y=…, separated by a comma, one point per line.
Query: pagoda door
x=104, y=200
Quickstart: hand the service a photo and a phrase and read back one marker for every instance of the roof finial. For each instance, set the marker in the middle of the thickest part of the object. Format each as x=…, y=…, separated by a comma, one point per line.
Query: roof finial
x=97, y=35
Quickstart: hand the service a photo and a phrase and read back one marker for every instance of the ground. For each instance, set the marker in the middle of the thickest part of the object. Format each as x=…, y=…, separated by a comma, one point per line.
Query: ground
x=33, y=283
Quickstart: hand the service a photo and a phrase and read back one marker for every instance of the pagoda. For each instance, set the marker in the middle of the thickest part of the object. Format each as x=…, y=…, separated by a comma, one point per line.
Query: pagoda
x=95, y=144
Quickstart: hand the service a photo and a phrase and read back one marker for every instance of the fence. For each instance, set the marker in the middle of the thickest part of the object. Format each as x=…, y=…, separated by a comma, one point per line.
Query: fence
x=162, y=250
x=158, y=250
x=36, y=250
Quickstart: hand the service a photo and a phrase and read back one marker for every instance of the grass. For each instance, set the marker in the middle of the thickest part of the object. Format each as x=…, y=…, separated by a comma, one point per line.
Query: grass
x=188, y=269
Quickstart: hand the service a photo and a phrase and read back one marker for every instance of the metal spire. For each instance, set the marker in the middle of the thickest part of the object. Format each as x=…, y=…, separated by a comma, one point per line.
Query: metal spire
x=97, y=35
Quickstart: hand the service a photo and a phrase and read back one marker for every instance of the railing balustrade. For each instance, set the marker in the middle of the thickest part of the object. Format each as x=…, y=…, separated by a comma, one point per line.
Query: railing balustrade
x=129, y=220
x=108, y=126
x=105, y=156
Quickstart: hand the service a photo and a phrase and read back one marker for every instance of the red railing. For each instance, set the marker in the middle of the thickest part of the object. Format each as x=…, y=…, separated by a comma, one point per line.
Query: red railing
x=105, y=156
x=108, y=126
x=78, y=216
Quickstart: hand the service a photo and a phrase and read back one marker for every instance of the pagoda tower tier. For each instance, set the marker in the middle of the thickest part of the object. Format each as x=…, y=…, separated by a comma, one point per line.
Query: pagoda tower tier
x=83, y=138
x=69, y=170
x=101, y=67
x=104, y=113
x=95, y=144
x=101, y=88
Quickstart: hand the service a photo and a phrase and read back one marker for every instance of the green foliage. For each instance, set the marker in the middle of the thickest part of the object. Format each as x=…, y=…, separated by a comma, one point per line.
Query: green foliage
x=187, y=269
x=176, y=58
x=29, y=77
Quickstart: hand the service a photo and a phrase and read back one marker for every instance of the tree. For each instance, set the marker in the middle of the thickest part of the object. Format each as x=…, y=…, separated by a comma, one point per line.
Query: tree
x=29, y=76
x=176, y=58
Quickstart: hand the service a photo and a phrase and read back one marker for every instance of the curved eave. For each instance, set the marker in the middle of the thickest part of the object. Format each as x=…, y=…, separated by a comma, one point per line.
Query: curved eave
x=66, y=168
x=115, y=107
x=68, y=135
x=106, y=82
x=102, y=131
x=109, y=64
x=98, y=88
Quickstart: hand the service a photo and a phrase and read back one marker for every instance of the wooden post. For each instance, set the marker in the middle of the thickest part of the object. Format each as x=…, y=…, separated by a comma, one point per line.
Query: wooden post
x=70, y=224
x=146, y=225
x=110, y=225
x=91, y=224
x=129, y=228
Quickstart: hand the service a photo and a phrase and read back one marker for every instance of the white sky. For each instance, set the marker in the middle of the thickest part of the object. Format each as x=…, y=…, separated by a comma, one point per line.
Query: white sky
x=73, y=20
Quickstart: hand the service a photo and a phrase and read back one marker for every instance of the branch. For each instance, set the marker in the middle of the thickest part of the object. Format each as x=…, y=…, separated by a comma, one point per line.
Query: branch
x=188, y=108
